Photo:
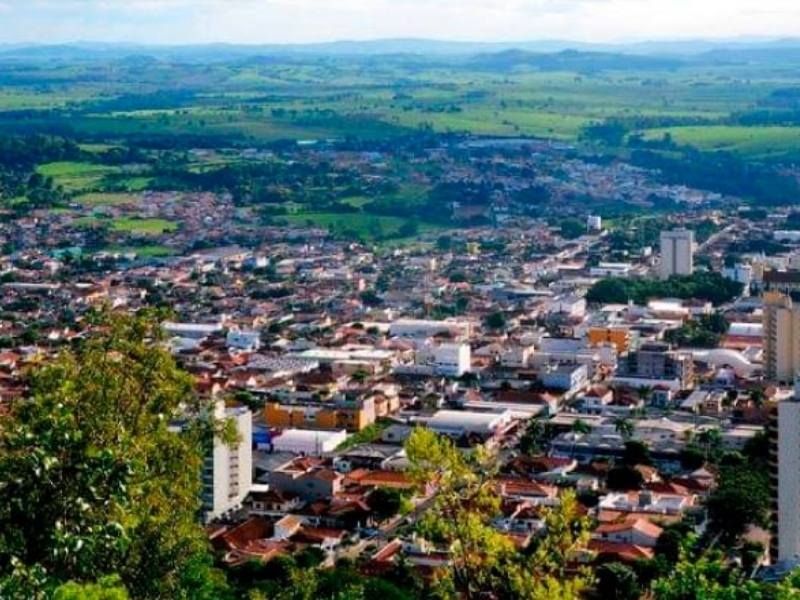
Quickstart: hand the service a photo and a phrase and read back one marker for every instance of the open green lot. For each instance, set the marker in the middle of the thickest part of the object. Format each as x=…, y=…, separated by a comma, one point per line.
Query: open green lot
x=106, y=199
x=145, y=226
x=366, y=226
x=753, y=141
x=76, y=176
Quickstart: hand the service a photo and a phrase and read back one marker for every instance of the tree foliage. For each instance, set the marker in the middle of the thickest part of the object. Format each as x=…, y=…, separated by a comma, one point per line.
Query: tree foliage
x=95, y=481
x=703, y=285
x=483, y=561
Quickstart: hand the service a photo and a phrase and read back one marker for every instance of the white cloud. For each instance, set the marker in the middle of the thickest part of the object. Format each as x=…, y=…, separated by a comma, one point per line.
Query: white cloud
x=266, y=21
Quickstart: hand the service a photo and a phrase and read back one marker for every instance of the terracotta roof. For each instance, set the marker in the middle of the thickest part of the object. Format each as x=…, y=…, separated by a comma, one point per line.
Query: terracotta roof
x=642, y=525
x=625, y=552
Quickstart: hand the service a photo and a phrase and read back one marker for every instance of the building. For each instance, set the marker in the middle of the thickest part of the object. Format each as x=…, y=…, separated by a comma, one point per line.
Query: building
x=228, y=469
x=785, y=479
x=620, y=337
x=657, y=361
x=451, y=360
x=784, y=281
x=352, y=415
x=418, y=328
x=594, y=223
x=781, y=338
x=240, y=339
x=458, y=423
x=307, y=478
x=740, y=273
x=677, y=253
x=308, y=442
x=609, y=269
x=566, y=377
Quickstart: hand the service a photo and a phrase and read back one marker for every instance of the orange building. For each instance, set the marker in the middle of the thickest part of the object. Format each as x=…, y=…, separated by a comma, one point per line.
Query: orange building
x=619, y=336
x=349, y=415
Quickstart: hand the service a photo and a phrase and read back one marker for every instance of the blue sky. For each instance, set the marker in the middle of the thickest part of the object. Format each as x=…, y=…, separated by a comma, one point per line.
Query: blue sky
x=279, y=21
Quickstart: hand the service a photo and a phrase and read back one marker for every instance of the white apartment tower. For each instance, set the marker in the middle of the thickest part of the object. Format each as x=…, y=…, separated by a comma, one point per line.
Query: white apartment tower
x=677, y=253
x=228, y=469
x=784, y=470
x=781, y=338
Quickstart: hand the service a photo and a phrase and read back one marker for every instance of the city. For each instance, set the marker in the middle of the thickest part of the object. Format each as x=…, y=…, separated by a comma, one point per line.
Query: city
x=398, y=318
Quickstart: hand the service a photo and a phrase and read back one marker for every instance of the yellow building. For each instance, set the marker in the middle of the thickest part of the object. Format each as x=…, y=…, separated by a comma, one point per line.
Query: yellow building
x=781, y=338
x=352, y=416
x=619, y=336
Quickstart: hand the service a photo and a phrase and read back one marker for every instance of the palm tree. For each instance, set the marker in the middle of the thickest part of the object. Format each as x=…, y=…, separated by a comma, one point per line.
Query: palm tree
x=645, y=391
x=579, y=426
x=624, y=427
x=711, y=439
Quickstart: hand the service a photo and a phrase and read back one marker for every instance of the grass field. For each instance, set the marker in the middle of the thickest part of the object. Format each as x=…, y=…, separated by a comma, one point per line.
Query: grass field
x=143, y=226
x=106, y=199
x=751, y=141
x=76, y=176
x=149, y=251
x=131, y=225
x=366, y=226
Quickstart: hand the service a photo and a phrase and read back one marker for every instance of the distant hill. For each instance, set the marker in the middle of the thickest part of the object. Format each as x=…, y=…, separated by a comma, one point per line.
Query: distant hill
x=543, y=54
x=572, y=60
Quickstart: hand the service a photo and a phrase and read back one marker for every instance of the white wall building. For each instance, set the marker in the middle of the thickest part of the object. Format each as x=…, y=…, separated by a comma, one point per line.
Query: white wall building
x=421, y=328
x=786, y=486
x=609, y=269
x=740, y=273
x=677, y=253
x=241, y=339
x=308, y=442
x=228, y=470
x=452, y=360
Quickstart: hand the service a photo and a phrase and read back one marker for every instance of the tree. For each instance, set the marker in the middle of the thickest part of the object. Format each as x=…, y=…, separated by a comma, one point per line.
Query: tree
x=624, y=478
x=579, y=427
x=711, y=441
x=624, y=427
x=704, y=577
x=385, y=502
x=108, y=588
x=496, y=321
x=616, y=581
x=741, y=498
x=94, y=480
x=636, y=453
x=536, y=437
x=483, y=561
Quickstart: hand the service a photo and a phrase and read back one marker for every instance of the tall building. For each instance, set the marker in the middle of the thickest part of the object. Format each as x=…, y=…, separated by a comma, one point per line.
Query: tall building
x=677, y=253
x=781, y=338
x=228, y=469
x=784, y=470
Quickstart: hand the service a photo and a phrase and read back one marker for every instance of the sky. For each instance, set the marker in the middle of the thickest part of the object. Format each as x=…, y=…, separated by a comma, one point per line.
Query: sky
x=300, y=21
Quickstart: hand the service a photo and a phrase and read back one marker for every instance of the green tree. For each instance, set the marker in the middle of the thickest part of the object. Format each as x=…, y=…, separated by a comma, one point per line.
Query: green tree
x=483, y=561
x=704, y=577
x=94, y=480
x=741, y=498
x=385, y=502
x=616, y=581
x=496, y=321
x=109, y=588
x=624, y=427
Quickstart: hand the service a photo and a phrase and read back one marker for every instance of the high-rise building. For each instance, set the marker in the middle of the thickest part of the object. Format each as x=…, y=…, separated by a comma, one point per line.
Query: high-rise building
x=784, y=467
x=781, y=338
x=228, y=468
x=677, y=253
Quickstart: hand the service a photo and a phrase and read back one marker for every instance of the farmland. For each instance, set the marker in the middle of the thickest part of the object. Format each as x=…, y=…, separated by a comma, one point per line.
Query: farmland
x=263, y=133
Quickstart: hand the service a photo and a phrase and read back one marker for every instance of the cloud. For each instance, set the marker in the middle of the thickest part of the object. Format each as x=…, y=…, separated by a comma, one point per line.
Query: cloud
x=268, y=21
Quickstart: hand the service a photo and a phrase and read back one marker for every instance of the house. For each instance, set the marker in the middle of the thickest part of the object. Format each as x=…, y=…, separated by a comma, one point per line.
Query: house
x=309, y=479
x=639, y=532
